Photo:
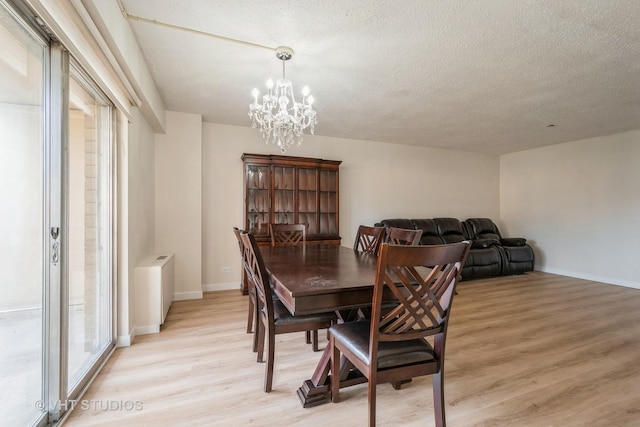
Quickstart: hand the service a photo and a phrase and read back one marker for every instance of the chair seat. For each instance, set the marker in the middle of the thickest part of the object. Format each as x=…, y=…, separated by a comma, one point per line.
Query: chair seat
x=284, y=317
x=354, y=336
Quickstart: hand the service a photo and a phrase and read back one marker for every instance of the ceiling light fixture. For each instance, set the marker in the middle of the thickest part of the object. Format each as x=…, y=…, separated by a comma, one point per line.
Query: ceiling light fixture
x=281, y=118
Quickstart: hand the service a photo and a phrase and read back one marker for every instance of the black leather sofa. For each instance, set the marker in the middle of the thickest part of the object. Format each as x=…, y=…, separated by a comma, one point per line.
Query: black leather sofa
x=518, y=254
x=490, y=254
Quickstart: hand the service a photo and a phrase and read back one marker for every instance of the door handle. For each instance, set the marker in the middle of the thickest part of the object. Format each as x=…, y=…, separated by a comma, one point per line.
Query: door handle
x=55, y=246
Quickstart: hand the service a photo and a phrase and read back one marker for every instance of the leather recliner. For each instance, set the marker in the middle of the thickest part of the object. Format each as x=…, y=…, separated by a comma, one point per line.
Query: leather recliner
x=518, y=254
x=482, y=261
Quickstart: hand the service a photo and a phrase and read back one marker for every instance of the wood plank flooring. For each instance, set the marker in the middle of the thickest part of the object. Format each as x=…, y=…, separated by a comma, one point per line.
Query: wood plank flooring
x=531, y=350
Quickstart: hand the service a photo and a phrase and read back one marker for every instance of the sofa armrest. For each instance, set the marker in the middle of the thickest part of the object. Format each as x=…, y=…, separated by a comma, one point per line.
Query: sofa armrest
x=513, y=241
x=483, y=243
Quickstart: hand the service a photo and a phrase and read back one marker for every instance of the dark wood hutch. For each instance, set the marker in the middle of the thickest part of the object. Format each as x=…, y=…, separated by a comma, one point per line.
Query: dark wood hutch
x=291, y=190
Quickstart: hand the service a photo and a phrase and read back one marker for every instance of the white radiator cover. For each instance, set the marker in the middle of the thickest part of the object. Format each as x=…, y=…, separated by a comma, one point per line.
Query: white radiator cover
x=154, y=291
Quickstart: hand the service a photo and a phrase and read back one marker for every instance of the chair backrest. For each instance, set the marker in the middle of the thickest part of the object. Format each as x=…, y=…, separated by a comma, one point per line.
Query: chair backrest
x=288, y=234
x=237, y=232
x=424, y=294
x=256, y=272
x=368, y=239
x=401, y=236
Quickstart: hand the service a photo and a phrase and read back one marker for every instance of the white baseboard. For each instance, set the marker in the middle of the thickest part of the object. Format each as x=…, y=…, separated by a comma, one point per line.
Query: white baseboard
x=124, y=340
x=221, y=287
x=608, y=280
x=148, y=329
x=181, y=296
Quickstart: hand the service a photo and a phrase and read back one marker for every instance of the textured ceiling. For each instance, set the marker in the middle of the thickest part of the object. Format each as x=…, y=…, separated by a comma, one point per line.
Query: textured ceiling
x=487, y=76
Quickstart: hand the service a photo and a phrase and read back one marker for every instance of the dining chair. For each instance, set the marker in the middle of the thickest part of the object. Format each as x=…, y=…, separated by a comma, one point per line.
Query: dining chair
x=403, y=236
x=288, y=234
x=394, y=346
x=273, y=316
x=293, y=235
x=368, y=239
x=251, y=315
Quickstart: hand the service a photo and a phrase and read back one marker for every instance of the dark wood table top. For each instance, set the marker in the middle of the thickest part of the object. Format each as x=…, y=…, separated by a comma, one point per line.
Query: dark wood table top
x=320, y=278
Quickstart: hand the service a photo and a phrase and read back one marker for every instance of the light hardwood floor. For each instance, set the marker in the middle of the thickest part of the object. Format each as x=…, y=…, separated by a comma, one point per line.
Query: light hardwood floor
x=531, y=350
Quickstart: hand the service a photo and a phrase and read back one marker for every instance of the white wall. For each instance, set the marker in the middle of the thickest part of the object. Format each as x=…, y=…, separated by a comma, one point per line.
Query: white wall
x=377, y=181
x=136, y=214
x=578, y=203
x=178, y=191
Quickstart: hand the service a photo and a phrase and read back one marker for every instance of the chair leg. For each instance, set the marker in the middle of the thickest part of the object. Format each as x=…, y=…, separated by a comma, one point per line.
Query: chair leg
x=259, y=341
x=256, y=321
x=372, y=399
x=268, y=379
x=250, y=315
x=314, y=346
x=335, y=372
x=307, y=335
x=438, y=398
x=255, y=340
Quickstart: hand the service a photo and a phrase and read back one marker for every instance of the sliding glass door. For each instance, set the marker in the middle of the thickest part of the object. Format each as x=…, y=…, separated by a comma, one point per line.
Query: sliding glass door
x=88, y=216
x=56, y=288
x=23, y=56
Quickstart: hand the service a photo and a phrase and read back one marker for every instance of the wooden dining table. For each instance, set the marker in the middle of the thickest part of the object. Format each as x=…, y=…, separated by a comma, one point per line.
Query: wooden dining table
x=316, y=279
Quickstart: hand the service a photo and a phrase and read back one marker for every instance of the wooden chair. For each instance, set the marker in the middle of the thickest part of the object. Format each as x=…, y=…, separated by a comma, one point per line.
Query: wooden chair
x=273, y=316
x=288, y=234
x=368, y=239
x=252, y=316
x=402, y=236
x=392, y=346
x=292, y=235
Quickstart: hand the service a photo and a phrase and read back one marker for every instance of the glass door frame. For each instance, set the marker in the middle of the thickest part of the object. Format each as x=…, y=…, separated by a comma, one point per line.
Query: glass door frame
x=57, y=398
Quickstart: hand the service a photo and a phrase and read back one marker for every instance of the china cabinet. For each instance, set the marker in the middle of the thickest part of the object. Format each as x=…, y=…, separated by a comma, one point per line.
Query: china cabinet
x=291, y=190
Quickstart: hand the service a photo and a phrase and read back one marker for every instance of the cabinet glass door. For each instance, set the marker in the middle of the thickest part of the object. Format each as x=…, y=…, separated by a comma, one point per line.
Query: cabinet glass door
x=328, y=202
x=283, y=195
x=258, y=203
x=308, y=199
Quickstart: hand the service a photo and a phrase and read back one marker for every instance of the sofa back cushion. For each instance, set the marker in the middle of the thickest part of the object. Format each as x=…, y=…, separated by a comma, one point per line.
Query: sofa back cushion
x=397, y=223
x=483, y=228
x=429, y=229
x=450, y=230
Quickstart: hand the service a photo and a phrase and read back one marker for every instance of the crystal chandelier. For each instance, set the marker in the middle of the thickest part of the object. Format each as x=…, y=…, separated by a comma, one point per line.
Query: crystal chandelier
x=281, y=118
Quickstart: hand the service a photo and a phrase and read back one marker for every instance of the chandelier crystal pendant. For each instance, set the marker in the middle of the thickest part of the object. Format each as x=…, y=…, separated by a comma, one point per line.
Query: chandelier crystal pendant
x=281, y=118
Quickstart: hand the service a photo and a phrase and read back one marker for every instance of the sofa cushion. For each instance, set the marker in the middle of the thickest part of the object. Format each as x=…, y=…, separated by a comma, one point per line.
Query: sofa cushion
x=519, y=253
x=398, y=223
x=450, y=229
x=483, y=228
x=513, y=241
x=429, y=231
x=483, y=243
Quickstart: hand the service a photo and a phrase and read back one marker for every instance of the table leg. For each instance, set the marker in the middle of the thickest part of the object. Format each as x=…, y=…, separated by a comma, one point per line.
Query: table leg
x=317, y=390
